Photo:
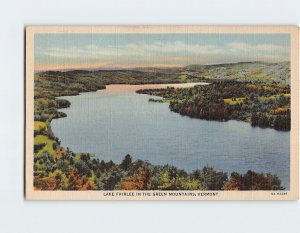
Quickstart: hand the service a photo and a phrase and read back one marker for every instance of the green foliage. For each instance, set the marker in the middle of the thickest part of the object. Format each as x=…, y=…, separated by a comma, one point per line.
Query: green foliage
x=110, y=179
x=60, y=174
x=253, y=181
x=126, y=162
x=43, y=144
x=83, y=168
x=263, y=105
x=61, y=179
x=209, y=178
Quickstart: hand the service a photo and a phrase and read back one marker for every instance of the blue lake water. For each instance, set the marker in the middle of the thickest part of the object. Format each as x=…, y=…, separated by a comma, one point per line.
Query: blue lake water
x=114, y=122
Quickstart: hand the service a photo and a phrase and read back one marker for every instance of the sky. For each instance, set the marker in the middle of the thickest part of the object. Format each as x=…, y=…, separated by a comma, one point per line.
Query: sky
x=105, y=51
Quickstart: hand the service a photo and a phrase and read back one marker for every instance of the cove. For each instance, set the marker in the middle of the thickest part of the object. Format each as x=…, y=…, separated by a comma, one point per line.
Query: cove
x=116, y=121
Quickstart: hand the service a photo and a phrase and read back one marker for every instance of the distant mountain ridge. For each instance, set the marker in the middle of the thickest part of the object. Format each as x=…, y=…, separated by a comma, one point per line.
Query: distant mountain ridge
x=260, y=72
x=245, y=71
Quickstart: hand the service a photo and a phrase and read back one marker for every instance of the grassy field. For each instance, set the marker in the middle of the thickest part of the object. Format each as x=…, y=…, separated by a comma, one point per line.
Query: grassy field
x=39, y=125
x=41, y=140
x=259, y=104
x=183, y=77
x=58, y=168
x=234, y=101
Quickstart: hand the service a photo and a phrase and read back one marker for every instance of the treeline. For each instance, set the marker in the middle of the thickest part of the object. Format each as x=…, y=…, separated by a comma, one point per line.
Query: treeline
x=52, y=84
x=57, y=168
x=262, y=105
x=72, y=171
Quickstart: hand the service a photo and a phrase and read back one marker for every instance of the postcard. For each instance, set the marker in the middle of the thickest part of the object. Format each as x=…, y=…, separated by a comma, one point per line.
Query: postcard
x=162, y=113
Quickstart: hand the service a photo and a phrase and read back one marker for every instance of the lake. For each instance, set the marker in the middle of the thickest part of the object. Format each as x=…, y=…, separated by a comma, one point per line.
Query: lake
x=116, y=121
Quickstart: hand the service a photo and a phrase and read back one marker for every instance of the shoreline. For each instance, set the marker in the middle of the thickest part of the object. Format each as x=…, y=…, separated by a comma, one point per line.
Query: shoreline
x=188, y=170
x=59, y=152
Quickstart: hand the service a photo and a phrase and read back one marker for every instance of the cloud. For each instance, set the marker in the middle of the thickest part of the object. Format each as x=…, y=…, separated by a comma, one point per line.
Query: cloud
x=175, y=53
x=263, y=48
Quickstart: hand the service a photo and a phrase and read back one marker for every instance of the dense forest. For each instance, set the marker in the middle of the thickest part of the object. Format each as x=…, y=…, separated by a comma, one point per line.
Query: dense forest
x=265, y=103
x=68, y=171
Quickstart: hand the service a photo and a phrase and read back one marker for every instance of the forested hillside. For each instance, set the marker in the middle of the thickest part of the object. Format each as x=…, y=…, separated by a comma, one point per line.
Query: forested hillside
x=261, y=96
x=263, y=105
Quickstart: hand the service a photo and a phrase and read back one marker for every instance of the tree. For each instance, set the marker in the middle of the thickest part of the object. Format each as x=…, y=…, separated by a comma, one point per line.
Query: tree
x=111, y=179
x=252, y=181
x=209, y=178
x=89, y=185
x=75, y=180
x=62, y=181
x=235, y=182
x=126, y=162
x=282, y=122
x=137, y=181
x=46, y=183
x=83, y=168
x=170, y=178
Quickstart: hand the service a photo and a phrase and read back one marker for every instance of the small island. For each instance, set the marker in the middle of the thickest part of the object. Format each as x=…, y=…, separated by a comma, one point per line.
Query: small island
x=242, y=91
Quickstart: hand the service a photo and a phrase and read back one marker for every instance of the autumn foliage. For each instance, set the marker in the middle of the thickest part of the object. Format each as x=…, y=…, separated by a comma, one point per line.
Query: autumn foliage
x=137, y=181
x=252, y=181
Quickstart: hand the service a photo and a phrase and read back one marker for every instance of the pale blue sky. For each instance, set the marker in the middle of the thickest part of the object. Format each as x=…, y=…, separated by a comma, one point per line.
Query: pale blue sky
x=67, y=51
